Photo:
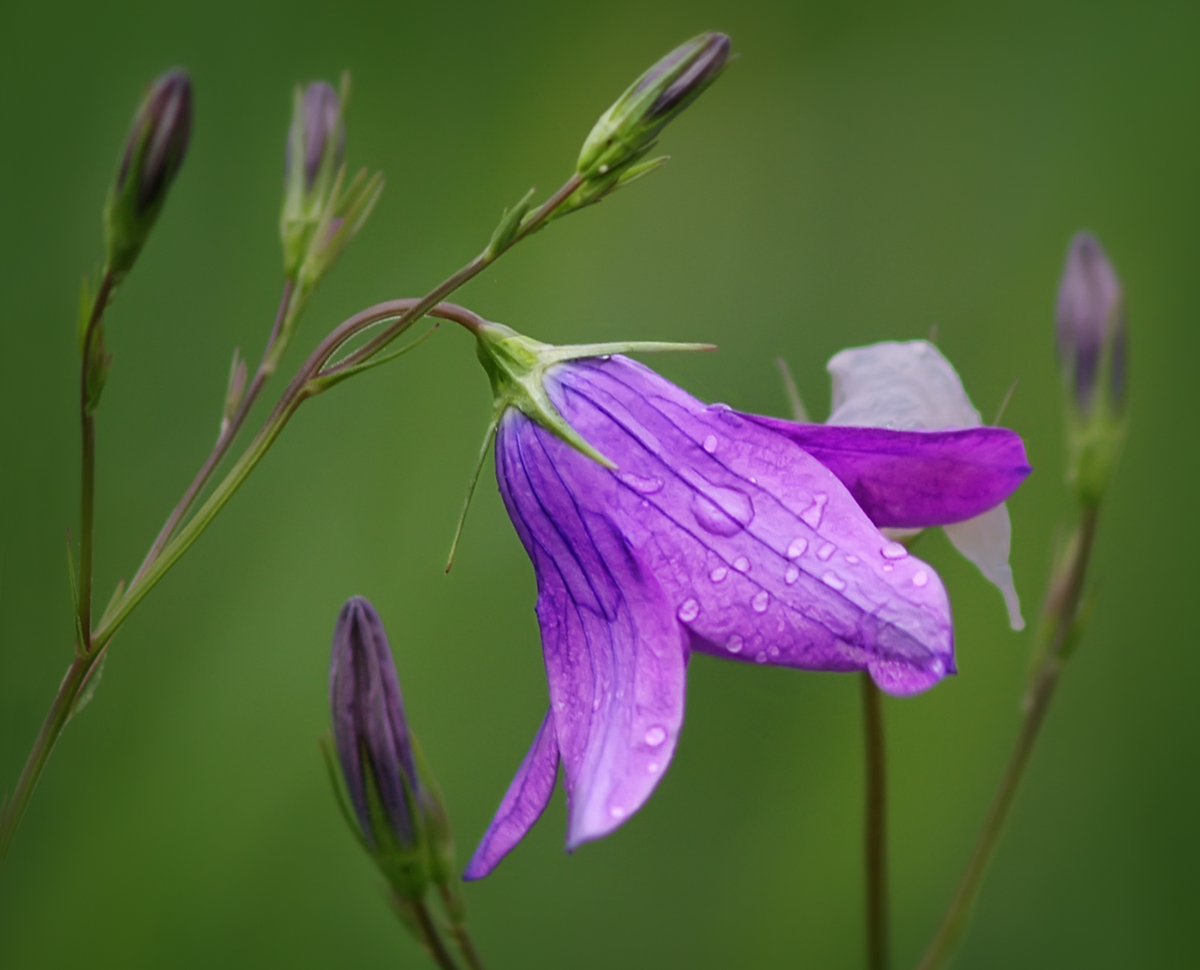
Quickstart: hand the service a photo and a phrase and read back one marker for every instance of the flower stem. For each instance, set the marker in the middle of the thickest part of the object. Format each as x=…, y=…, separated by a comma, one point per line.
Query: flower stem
x=433, y=940
x=305, y=384
x=1057, y=634
x=87, y=465
x=226, y=438
x=875, y=825
x=458, y=929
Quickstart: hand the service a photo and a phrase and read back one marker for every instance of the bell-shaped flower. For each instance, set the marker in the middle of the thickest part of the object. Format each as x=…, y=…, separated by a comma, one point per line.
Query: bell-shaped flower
x=659, y=526
x=912, y=387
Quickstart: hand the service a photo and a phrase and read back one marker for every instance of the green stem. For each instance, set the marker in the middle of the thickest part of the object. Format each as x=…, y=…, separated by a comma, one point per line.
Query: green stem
x=226, y=438
x=1055, y=640
x=87, y=472
x=458, y=927
x=875, y=825
x=433, y=940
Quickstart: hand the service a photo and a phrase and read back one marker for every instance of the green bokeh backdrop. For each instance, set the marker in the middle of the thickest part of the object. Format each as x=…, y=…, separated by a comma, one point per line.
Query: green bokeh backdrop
x=862, y=172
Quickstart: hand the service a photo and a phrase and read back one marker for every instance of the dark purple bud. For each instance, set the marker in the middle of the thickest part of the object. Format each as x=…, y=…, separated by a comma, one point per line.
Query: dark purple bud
x=707, y=56
x=159, y=139
x=152, y=157
x=1091, y=322
x=626, y=130
x=369, y=727
x=320, y=117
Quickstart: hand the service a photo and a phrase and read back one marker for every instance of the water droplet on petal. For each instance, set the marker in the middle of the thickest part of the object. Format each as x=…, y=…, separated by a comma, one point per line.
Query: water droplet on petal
x=797, y=548
x=761, y=658
x=893, y=550
x=617, y=812
x=812, y=515
x=596, y=704
x=833, y=581
x=773, y=651
x=791, y=575
x=825, y=552
x=718, y=574
x=722, y=511
x=647, y=486
x=656, y=736
x=652, y=768
x=853, y=560
x=920, y=577
x=887, y=567
x=689, y=610
x=734, y=645
x=761, y=599
x=710, y=443
x=742, y=564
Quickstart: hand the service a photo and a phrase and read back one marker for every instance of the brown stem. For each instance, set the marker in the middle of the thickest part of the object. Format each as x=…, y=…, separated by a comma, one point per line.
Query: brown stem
x=433, y=939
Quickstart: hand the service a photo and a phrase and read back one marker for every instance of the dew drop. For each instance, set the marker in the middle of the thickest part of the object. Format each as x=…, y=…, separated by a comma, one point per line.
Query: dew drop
x=617, y=811
x=742, y=564
x=710, y=443
x=761, y=599
x=893, y=550
x=689, y=610
x=596, y=704
x=761, y=658
x=791, y=575
x=825, y=552
x=656, y=736
x=833, y=581
x=773, y=651
x=718, y=574
x=920, y=577
x=652, y=768
x=796, y=549
x=647, y=486
x=853, y=560
x=722, y=511
x=812, y=515
x=887, y=567
x=735, y=644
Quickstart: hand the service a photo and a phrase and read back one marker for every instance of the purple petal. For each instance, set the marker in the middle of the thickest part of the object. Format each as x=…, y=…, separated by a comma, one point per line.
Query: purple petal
x=915, y=479
x=523, y=804
x=614, y=653
x=762, y=553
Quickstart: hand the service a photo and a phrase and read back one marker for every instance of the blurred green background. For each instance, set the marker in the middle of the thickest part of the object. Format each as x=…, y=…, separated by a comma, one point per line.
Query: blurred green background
x=862, y=172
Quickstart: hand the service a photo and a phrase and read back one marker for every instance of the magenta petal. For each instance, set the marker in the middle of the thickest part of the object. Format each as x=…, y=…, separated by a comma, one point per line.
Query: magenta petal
x=915, y=479
x=523, y=804
x=614, y=654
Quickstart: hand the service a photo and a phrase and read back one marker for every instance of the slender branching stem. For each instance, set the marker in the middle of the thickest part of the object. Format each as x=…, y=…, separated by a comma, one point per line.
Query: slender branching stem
x=176, y=538
x=1056, y=637
x=224, y=440
x=458, y=928
x=875, y=825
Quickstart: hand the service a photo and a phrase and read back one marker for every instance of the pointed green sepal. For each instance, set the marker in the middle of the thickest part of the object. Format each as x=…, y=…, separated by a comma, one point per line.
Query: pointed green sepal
x=516, y=365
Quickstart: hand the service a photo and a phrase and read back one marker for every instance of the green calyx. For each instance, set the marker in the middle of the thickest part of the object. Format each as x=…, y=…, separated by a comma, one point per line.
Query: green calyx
x=516, y=365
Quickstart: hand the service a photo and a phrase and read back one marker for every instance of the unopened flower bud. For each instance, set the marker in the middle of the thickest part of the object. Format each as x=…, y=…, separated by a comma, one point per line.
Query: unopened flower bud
x=1091, y=337
x=315, y=145
x=625, y=131
x=1091, y=323
x=153, y=155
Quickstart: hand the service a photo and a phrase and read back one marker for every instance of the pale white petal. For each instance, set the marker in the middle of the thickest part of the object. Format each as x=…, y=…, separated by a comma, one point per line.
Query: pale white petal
x=985, y=540
x=907, y=386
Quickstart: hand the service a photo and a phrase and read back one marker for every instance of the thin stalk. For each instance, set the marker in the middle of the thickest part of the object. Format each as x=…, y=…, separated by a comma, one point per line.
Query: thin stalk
x=875, y=826
x=1056, y=636
x=458, y=929
x=226, y=438
x=87, y=471
x=433, y=939
x=402, y=313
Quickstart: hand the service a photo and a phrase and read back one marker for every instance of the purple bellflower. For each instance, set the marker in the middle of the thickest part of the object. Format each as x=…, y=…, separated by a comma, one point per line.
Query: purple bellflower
x=911, y=386
x=659, y=526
